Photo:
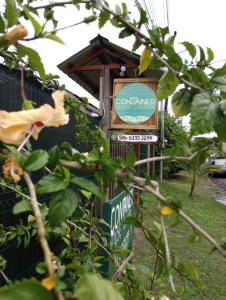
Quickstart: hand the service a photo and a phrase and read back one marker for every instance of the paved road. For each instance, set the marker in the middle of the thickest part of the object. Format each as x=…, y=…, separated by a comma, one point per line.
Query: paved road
x=221, y=182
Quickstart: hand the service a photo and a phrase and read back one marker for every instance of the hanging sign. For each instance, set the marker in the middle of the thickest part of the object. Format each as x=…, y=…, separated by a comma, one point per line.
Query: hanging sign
x=133, y=138
x=135, y=104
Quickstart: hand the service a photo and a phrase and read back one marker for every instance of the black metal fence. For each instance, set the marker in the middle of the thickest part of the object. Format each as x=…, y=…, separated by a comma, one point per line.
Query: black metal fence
x=21, y=261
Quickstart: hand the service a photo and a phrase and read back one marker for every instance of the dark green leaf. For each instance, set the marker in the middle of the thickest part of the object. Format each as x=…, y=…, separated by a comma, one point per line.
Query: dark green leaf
x=11, y=12
x=210, y=55
x=26, y=290
x=34, y=59
x=143, y=17
x=22, y=206
x=103, y=18
x=202, y=54
x=218, y=77
x=125, y=33
x=190, y=48
x=2, y=24
x=18, y=155
x=51, y=183
x=54, y=155
x=199, y=77
x=132, y=221
x=36, y=160
x=136, y=45
x=92, y=286
x=144, y=60
x=181, y=102
x=90, y=19
x=203, y=113
x=62, y=206
x=167, y=85
x=174, y=59
x=87, y=185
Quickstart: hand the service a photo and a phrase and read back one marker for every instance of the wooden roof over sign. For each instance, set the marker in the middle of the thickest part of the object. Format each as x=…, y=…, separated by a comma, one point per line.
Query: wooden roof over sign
x=85, y=66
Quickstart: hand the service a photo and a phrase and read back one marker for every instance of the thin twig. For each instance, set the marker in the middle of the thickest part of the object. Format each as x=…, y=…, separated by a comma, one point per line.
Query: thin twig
x=7, y=280
x=166, y=245
x=41, y=229
x=163, y=158
x=123, y=265
x=55, y=4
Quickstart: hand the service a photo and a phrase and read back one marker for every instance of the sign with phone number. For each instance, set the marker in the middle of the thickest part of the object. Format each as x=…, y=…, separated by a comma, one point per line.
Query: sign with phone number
x=134, y=138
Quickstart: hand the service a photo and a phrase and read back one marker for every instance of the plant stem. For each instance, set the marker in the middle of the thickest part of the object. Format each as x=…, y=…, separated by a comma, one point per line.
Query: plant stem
x=123, y=265
x=41, y=230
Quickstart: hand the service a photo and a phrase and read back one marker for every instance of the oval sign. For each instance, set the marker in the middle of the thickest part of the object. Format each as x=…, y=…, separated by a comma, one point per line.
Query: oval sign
x=135, y=103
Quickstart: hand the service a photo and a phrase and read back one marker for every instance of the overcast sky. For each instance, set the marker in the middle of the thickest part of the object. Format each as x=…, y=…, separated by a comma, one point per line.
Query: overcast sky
x=202, y=22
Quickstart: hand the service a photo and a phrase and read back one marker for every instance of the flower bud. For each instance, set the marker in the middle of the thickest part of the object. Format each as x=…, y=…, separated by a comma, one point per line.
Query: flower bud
x=17, y=33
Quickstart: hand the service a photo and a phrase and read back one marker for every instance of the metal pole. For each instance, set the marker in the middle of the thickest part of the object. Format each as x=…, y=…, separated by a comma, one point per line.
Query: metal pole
x=162, y=138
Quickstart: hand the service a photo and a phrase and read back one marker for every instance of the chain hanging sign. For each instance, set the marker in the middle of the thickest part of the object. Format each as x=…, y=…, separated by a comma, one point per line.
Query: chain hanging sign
x=135, y=104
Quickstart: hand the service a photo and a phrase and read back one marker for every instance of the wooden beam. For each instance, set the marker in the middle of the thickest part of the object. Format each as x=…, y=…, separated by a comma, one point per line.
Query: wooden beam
x=99, y=67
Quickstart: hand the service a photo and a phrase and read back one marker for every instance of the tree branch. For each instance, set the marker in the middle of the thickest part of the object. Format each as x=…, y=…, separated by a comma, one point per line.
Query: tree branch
x=141, y=181
x=123, y=265
x=55, y=4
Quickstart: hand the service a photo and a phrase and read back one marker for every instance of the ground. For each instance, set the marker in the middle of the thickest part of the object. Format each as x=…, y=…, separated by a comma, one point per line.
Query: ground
x=208, y=213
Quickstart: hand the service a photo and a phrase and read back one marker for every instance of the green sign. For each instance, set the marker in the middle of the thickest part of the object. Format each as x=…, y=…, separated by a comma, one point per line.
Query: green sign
x=117, y=233
x=135, y=103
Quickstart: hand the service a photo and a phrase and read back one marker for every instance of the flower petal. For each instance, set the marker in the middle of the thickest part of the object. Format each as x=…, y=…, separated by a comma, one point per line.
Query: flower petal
x=14, y=126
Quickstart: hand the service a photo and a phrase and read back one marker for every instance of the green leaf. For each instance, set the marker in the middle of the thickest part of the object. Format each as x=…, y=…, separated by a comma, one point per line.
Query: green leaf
x=144, y=60
x=25, y=290
x=190, y=270
x=198, y=76
x=34, y=59
x=125, y=33
x=54, y=38
x=92, y=286
x=130, y=220
x=210, y=55
x=202, y=54
x=190, y=48
x=54, y=155
x=167, y=85
x=203, y=113
x=51, y=183
x=131, y=159
x=181, y=102
x=36, y=160
x=18, y=155
x=2, y=24
x=22, y=206
x=11, y=12
x=62, y=206
x=87, y=185
x=218, y=77
x=103, y=18
x=36, y=25
x=90, y=19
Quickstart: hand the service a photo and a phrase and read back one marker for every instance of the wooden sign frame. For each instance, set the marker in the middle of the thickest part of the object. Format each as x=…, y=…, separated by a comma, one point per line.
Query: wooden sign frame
x=116, y=122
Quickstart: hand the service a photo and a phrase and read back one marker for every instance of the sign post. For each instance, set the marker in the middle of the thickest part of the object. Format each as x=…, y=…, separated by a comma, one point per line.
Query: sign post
x=117, y=233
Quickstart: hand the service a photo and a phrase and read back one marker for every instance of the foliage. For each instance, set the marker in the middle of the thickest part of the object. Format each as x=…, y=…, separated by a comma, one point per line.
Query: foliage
x=198, y=88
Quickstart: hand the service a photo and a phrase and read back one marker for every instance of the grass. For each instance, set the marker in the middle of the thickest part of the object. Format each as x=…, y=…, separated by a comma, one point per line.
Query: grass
x=209, y=214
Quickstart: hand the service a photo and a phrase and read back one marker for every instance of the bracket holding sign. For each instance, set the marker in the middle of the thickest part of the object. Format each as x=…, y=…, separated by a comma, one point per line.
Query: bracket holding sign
x=135, y=104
